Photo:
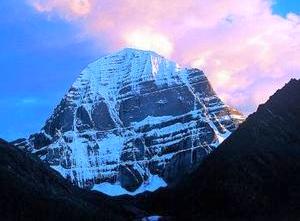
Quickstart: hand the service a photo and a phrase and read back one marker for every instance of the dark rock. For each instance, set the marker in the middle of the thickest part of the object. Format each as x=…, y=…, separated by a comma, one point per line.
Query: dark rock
x=101, y=117
x=130, y=177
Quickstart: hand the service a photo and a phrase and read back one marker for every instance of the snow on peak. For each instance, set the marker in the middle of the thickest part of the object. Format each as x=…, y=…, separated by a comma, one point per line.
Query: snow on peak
x=129, y=68
x=129, y=64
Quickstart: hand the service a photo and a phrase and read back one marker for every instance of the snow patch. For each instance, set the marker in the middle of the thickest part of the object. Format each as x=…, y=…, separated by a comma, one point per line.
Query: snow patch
x=151, y=120
x=153, y=183
x=111, y=146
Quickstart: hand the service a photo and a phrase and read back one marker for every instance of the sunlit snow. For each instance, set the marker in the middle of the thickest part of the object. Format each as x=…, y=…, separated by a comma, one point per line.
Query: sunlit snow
x=152, y=184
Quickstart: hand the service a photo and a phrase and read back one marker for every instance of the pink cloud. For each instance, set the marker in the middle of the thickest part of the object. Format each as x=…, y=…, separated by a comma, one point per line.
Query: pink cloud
x=66, y=9
x=247, y=51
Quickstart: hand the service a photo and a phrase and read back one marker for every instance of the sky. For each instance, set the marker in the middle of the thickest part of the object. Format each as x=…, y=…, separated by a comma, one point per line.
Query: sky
x=248, y=49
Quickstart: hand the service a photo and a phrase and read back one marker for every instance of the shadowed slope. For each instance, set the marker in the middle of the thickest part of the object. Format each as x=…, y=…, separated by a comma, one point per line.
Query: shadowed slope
x=30, y=190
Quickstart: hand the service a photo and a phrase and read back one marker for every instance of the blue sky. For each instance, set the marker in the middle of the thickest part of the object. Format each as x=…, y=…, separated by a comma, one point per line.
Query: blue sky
x=40, y=58
x=282, y=7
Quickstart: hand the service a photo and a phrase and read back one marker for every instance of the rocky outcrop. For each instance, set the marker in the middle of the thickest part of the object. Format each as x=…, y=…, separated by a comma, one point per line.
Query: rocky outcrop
x=130, y=116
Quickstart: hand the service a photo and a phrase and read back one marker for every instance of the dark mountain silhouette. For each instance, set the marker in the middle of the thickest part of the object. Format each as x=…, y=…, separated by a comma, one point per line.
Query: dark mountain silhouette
x=30, y=190
x=253, y=175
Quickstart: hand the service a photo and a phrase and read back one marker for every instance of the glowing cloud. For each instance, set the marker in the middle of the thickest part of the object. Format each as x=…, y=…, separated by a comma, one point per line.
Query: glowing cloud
x=245, y=49
x=145, y=39
x=67, y=9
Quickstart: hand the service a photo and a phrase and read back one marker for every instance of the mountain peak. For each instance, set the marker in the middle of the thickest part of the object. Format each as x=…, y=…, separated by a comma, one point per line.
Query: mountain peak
x=282, y=97
x=105, y=76
x=132, y=54
x=291, y=88
x=137, y=51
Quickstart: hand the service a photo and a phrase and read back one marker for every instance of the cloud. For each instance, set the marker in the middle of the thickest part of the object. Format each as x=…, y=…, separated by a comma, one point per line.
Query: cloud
x=67, y=9
x=146, y=39
x=245, y=49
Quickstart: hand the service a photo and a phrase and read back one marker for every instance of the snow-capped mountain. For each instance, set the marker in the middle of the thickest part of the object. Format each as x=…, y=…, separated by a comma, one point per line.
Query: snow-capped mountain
x=133, y=121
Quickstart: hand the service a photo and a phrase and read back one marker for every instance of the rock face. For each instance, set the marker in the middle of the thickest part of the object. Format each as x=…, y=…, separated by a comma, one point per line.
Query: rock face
x=131, y=116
